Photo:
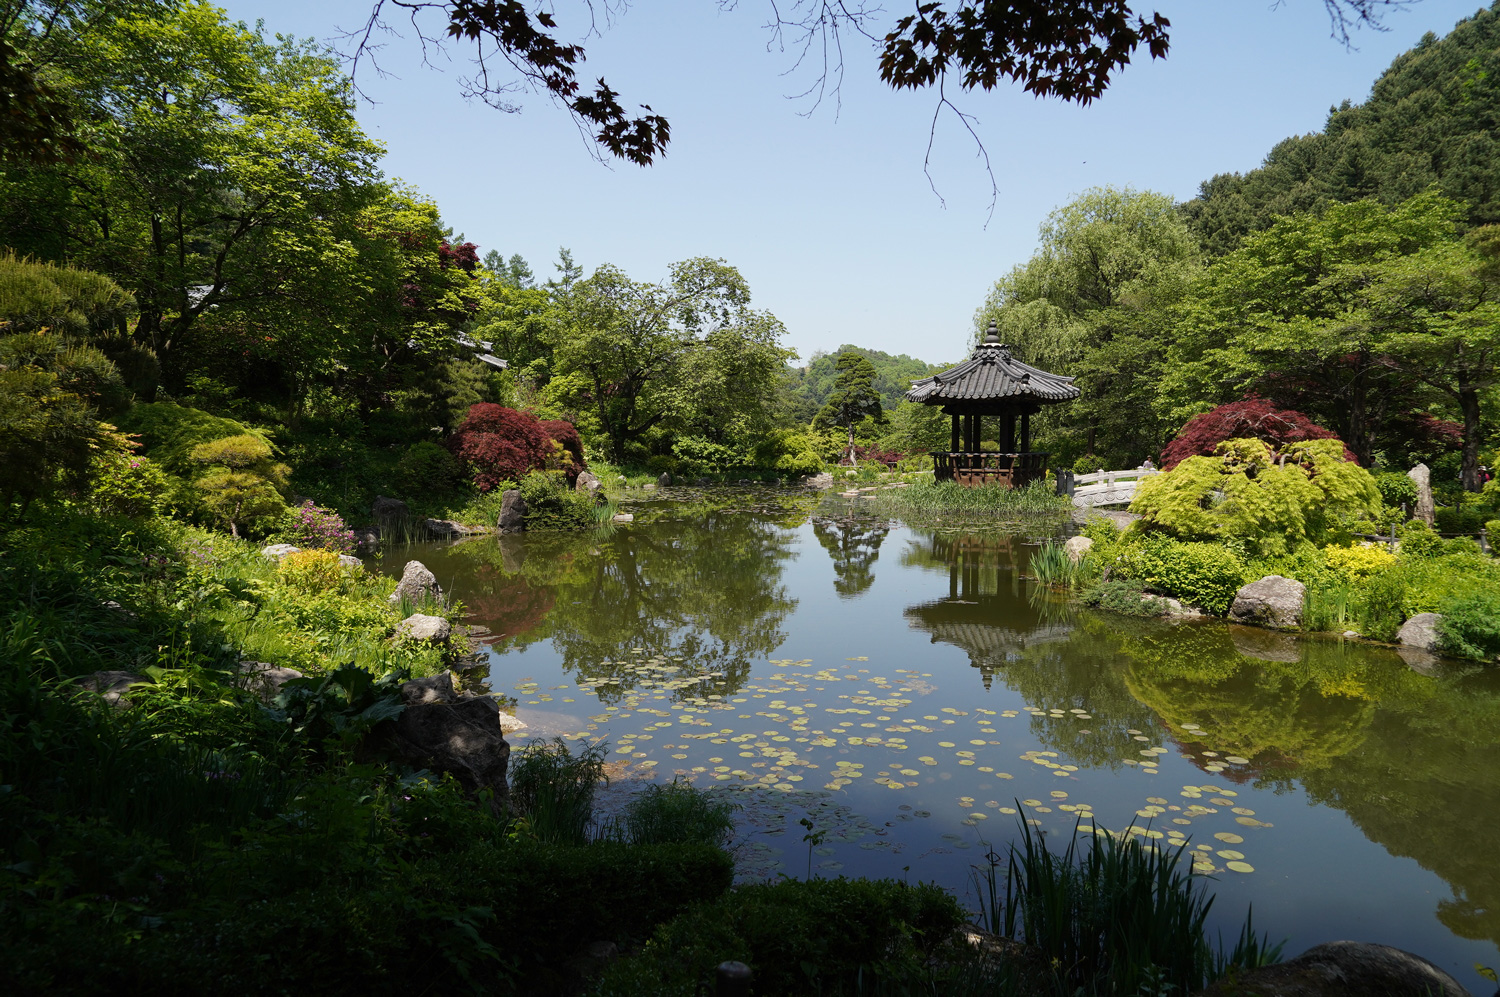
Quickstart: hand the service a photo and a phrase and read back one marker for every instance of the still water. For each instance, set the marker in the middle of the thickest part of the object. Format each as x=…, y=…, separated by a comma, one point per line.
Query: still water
x=908, y=689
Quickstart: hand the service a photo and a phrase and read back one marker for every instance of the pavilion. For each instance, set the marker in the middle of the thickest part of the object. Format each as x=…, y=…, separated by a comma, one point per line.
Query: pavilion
x=991, y=382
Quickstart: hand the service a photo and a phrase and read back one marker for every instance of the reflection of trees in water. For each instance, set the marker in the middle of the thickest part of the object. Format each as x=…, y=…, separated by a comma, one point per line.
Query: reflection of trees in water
x=701, y=600
x=508, y=605
x=854, y=545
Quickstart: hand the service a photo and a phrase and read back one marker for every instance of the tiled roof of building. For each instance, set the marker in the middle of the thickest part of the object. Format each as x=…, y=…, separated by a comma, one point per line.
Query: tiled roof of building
x=992, y=374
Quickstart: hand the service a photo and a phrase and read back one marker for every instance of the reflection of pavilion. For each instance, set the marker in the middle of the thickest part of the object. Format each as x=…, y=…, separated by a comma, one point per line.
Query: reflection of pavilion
x=994, y=624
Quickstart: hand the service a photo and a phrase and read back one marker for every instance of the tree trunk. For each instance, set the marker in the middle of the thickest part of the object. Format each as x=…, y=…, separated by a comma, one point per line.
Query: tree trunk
x=1468, y=403
x=853, y=461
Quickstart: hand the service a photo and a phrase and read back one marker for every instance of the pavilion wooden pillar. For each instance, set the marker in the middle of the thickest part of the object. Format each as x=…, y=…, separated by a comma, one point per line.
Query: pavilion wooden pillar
x=953, y=444
x=1008, y=434
x=1026, y=432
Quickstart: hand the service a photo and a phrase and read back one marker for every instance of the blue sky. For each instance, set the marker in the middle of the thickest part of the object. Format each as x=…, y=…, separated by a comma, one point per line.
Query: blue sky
x=828, y=214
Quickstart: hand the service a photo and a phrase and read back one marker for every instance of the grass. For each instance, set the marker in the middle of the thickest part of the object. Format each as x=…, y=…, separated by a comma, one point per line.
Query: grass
x=1115, y=918
x=552, y=790
x=947, y=498
x=675, y=813
x=1052, y=566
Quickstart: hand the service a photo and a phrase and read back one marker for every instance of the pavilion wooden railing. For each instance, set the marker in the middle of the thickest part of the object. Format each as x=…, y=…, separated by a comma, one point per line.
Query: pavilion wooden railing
x=1015, y=470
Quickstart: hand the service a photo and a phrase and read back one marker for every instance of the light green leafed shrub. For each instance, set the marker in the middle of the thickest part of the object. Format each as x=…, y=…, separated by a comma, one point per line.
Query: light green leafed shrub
x=1123, y=596
x=1360, y=561
x=1396, y=488
x=1200, y=574
x=1492, y=534
x=1384, y=607
x=1418, y=540
x=1470, y=626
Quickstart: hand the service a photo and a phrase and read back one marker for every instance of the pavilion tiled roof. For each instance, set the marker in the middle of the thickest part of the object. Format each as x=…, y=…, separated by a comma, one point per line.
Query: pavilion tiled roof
x=992, y=374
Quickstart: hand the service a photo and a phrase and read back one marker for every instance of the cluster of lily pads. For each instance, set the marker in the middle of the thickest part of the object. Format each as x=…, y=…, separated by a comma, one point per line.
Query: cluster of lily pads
x=799, y=721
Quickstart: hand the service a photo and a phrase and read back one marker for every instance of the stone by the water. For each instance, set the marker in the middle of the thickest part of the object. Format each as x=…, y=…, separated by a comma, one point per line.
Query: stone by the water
x=417, y=583
x=1272, y=601
x=419, y=626
x=512, y=512
x=1421, y=631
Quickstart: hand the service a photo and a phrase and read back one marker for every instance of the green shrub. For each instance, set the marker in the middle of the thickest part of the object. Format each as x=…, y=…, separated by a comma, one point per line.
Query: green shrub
x=1125, y=597
x=427, y=469
x=676, y=813
x=1359, y=561
x=1384, y=607
x=1418, y=540
x=169, y=432
x=1470, y=627
x=799, y=937
x=1201, y=574
x=1396, y=488
x=552, y=505
x=124, y=484
x=1463, y=546
x=1492, y=535
x=1461, y=520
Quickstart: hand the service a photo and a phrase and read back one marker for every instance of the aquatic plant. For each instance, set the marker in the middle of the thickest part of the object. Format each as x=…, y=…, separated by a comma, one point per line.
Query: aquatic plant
x=1112, y=917
x=552, y=789
x=676, y=813
x=1052, y=566
x=948, y=498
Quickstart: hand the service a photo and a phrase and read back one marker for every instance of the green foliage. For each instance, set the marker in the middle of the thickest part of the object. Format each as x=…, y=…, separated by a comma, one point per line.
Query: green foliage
x=1271, y=501
x=1200, y=574
x=552, y=789
x=1384, y=608
x=1418, y=540
x=168, y=433
x=1396, y=489
x=124, y=484
x=36, y=296
x=1492, y=535
x=1052, y=566
x=1461, y=520
x=853, y=398
x=1114, y=917
x=676, y=813
x=552, y=505
x=1470, y=626
x=1360, y=561
x=789, y=452
x=823, y=936
x=948, y=498
x=807, y=388
x=1123, y=596
x=428, y=469
x=243, y=483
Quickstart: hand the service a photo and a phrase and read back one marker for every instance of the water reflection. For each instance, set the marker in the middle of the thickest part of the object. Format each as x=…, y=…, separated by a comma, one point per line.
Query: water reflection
x=853, y=542
x=698, y=602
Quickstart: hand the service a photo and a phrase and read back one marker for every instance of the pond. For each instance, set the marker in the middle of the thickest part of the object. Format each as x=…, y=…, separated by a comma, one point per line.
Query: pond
x=907, y=689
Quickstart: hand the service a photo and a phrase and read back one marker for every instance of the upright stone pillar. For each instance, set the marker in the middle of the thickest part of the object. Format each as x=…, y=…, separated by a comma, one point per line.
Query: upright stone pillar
x=1423, y=477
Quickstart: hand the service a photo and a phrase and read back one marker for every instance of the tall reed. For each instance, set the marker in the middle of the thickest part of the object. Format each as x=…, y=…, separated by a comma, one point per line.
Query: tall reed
x=950, y=498
x=1111, y=918
x=552, y=789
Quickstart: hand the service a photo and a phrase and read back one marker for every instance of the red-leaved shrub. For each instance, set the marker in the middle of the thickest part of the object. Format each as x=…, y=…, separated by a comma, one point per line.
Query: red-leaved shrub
x=501, y=444
x=1252, y=418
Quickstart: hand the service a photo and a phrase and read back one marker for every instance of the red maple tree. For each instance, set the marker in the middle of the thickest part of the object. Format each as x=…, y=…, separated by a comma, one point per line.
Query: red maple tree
x=1251, y=418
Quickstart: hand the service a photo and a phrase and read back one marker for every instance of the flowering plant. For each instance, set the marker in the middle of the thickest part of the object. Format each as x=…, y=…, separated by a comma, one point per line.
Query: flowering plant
x=310, y=526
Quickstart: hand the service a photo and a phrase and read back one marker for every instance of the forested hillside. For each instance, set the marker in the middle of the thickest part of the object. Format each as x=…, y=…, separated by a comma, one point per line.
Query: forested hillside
x=807, y=388
x=1430, y=119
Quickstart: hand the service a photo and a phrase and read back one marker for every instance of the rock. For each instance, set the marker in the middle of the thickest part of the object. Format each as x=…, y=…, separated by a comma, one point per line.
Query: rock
x=264, y=679
x=586, y=483
x=1424, y=510
x=1267, y=645
x=277, y=551
x=703, y=482
x=821, y=481
x=1076, y=547
x=1273, y=601
x=649, y=486
x=441, y=688
x=417, y=584
x=623, y=517
x=351, y=562
x=367, y=538
x=421, y=627
x=1180, y=611
x=389, y=514
x=461, y=737
x=510, y=722
x=1420, y=632
x=665, y=481
x=111, y=686
x=1343, y=969
x=449, y=529
x=512, y=512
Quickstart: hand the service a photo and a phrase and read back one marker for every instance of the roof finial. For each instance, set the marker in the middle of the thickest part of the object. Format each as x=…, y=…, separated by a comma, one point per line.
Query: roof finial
x=992, y=336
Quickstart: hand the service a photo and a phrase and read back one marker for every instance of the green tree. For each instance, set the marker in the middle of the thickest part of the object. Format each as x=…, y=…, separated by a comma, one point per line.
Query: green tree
x=1093, y=302
x=854, y=397
x=243, y=481
x=637, y=358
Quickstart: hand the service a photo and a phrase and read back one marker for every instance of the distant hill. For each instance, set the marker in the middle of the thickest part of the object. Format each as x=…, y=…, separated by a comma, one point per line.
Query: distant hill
x=808, y=387
x=1432, y=117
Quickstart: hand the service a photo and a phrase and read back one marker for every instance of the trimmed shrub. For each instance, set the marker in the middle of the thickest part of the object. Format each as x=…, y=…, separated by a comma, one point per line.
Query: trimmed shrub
x=1202, y=574
x=1418, y=540
x=1360, y=561
x=1470, y=626
x=1492, y=534
x=1396, y=488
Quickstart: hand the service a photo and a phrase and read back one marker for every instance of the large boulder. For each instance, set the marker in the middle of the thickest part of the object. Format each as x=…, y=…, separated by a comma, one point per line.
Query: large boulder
x=264, y=679
x=460, y=735
x=418, y=626
x=390, y=515
x=1076, y=547
x=1273, y=601
x=110, y=686
x=587, y=483
x=1343, y=969
x=277, y=551
x=440, y=688
x=1421, y=631
x=512, y=512
x=351, y=563
x=821, y=481
x=1423, y=478
x=417, y=584
x=665, y=481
